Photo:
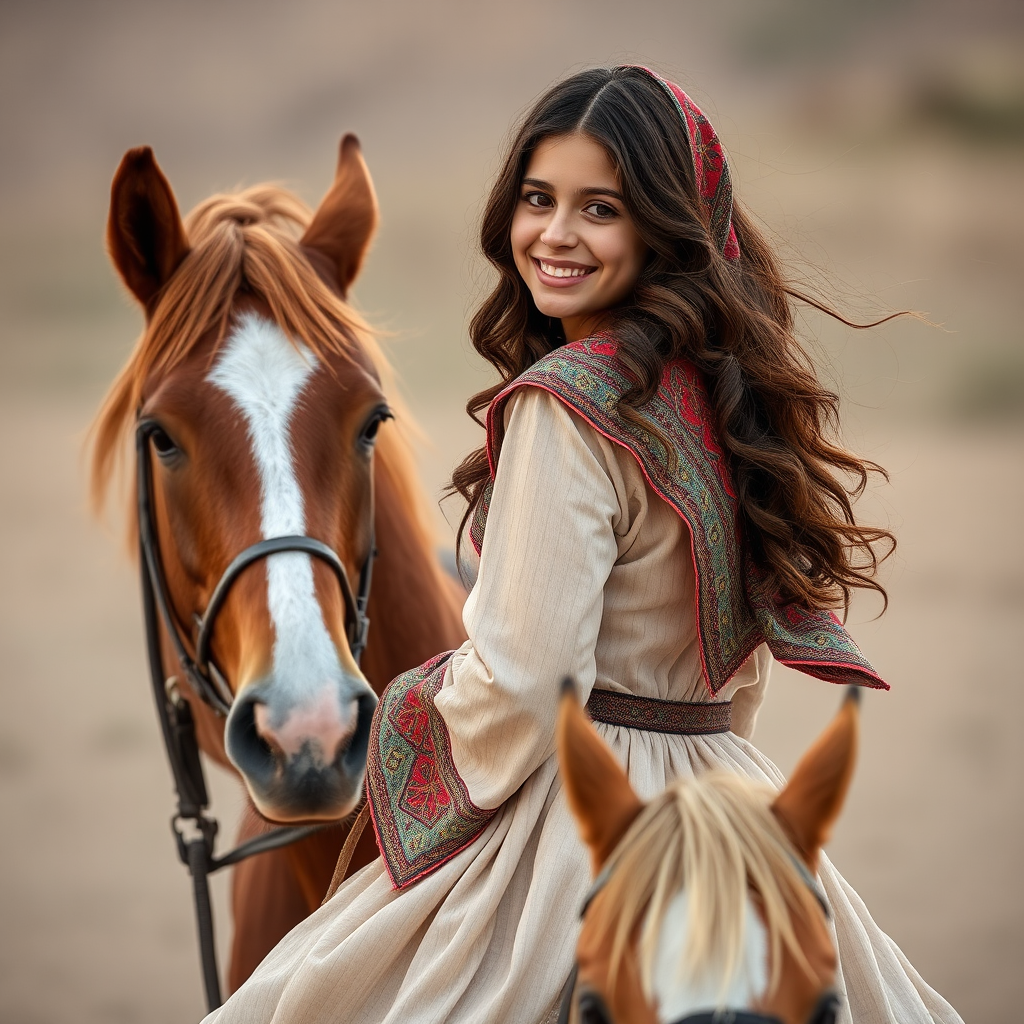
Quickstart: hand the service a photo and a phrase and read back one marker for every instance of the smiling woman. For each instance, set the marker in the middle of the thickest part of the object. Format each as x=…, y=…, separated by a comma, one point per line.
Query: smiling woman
x=574, y=243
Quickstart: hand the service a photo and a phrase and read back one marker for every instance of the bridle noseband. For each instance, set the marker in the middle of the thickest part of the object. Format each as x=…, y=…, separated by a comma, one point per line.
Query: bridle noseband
x=201, y=671
x=206, y=680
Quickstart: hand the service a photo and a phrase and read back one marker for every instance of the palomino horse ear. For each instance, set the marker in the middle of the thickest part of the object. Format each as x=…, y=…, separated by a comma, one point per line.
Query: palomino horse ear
x=145, y=235
x=812, y=799
x=346, y=219
x=598, y=790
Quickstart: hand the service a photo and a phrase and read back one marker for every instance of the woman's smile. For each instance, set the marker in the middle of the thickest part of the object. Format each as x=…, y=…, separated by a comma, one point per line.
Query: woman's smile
x=573, y=241
x=562, y=273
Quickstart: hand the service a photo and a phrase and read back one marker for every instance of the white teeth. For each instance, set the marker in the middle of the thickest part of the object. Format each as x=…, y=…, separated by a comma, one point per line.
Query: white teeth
x=561, y=271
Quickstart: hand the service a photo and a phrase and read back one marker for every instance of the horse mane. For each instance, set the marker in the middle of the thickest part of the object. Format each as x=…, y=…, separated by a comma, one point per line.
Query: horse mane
x=717, y=836
x=246, y=242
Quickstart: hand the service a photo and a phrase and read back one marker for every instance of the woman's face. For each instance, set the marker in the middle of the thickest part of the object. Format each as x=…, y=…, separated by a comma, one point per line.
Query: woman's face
x=573, y=242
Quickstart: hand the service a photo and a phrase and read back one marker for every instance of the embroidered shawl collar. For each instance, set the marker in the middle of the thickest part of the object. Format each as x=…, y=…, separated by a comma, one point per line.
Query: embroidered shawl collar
x=732, y=616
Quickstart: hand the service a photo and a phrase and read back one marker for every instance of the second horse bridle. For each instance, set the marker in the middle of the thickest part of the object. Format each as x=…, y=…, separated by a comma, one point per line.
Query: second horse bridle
x=206, y=680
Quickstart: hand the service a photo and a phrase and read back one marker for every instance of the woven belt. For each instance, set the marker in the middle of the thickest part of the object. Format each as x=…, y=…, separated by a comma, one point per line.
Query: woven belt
x=673, y=716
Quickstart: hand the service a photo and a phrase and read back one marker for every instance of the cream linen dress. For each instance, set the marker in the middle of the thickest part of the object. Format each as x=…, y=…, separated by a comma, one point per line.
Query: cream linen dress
x=586, y=572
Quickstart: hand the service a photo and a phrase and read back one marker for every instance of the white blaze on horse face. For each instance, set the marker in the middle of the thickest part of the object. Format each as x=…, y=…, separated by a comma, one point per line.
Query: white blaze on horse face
x=264, y=374
x=679, y=995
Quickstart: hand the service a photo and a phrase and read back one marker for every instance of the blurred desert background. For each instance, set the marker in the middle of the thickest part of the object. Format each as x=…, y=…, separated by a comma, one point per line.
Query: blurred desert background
x=880, y=141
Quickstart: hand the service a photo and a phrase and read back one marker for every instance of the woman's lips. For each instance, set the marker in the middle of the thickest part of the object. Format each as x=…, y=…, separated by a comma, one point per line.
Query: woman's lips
x=561, y=273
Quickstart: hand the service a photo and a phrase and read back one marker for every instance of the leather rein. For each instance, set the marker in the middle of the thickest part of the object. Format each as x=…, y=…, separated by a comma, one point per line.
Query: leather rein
x=208, y=683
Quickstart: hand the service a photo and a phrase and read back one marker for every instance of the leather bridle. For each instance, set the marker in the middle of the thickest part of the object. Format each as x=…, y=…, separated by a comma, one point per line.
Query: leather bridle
x=201, y=671
x=206, y=680
x=592, y=1006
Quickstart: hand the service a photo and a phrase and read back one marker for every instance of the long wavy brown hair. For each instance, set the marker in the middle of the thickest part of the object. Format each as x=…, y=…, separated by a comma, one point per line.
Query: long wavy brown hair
x=732, y=318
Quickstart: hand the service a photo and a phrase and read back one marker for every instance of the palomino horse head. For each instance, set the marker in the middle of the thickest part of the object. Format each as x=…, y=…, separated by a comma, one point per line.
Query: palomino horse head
x=705, y=901
x=258, y=390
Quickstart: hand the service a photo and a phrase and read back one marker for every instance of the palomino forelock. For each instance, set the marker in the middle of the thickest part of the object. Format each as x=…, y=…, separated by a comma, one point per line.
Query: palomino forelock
x=682, y=878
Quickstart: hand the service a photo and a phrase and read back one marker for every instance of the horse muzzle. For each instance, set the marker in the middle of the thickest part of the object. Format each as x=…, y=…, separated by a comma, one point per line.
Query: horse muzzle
x=302, y=759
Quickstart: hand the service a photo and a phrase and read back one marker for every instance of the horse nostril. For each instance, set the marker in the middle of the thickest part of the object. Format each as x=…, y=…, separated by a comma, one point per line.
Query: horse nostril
x=261, y=724
x=320, y=728
x=251, y=753
x=355, y=755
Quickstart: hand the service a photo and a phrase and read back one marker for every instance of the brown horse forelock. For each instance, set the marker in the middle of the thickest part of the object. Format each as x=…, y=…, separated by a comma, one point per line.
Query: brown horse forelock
x=243, y=244
x=730, y=845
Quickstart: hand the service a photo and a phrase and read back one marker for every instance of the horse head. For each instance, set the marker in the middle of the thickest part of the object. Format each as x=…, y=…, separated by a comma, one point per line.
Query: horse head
x=705, y=901
x=256, y=391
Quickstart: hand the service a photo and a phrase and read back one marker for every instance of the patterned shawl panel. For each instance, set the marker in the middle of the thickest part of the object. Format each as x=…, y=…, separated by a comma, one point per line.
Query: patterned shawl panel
x=421, y=809
x=683, y=461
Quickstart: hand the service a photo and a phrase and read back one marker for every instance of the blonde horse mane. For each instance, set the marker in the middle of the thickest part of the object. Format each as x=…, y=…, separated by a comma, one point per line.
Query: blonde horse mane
x=717, y=836
x=245, y=241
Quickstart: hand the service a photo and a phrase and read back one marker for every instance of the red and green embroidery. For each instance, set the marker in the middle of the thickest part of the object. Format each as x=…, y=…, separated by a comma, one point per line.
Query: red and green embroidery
x=684, y=463
x=421, y=809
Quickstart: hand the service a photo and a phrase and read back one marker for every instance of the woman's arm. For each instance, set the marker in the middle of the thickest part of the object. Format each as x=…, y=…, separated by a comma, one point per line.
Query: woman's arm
x=534, y=614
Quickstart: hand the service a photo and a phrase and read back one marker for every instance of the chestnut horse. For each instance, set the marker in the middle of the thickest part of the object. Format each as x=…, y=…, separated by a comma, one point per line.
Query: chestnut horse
x=705, y=906
x=260, y=390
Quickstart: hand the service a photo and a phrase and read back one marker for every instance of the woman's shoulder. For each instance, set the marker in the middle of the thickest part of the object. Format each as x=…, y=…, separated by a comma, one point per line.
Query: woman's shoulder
x=537, y=417
x=540, y=426
x=582, y=381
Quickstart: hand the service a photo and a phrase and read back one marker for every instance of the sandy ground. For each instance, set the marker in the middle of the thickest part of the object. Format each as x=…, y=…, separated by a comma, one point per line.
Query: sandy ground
x=95, y=918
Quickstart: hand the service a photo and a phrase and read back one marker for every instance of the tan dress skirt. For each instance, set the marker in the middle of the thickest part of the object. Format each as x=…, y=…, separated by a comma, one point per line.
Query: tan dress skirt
x=584, y=572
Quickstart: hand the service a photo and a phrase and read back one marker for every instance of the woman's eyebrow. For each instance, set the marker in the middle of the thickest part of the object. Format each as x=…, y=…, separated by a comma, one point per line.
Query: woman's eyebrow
x=595, y=191
x=590, y=190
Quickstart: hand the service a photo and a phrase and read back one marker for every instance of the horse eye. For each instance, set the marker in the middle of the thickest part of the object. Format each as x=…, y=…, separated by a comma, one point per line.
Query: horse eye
x=826, y=1011
x=369, y=433
x=592, y=1009
x=163, y=444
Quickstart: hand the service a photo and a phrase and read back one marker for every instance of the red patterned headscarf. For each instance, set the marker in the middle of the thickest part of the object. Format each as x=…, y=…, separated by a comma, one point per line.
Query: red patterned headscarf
x=709, y=164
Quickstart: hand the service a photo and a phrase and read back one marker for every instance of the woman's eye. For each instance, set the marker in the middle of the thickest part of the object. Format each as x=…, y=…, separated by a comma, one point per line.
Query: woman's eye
x=539, y=199
x=601, y=210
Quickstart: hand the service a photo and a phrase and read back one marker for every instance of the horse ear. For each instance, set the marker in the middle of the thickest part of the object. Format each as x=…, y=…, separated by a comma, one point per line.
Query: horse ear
x=810, y=802
x=598, y=790
x=346, y=219
x=145, y=235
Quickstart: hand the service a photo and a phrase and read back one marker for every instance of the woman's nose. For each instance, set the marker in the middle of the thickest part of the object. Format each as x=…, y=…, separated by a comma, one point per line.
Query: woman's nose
x=559, y=232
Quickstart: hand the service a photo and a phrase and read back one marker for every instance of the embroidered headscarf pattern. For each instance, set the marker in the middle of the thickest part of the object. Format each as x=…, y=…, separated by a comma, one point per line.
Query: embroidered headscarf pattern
x=710, y=166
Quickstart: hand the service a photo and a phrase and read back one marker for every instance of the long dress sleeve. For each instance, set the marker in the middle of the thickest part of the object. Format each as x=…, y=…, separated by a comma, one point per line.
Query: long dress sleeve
x=529, y=621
